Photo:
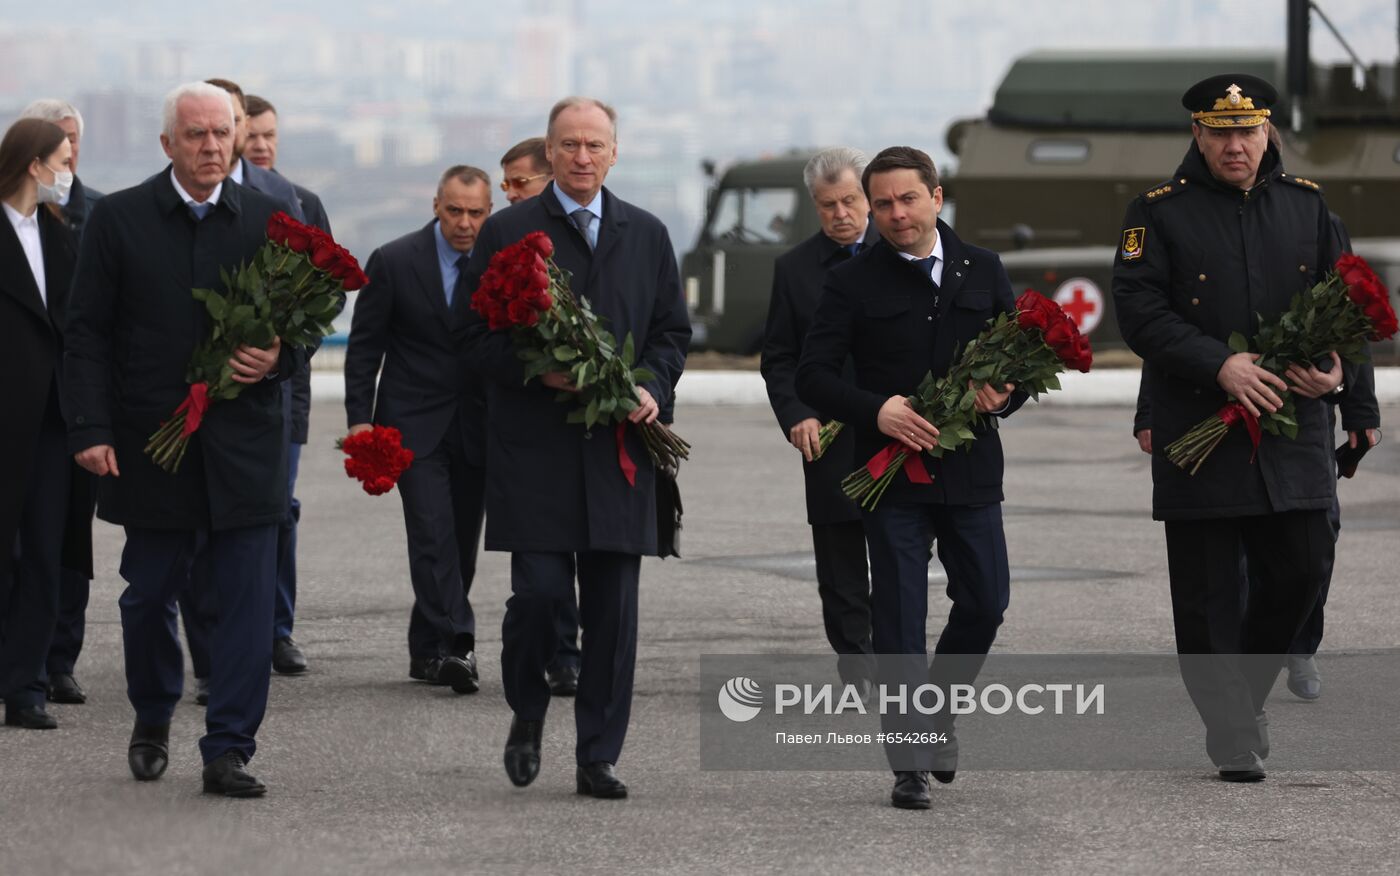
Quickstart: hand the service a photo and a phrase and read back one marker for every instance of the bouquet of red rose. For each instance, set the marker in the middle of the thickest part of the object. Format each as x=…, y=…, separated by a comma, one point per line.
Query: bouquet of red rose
x=376, y=458
x=523, y=291
x=1028, y=348
x=293, y=289
x=1349, y=307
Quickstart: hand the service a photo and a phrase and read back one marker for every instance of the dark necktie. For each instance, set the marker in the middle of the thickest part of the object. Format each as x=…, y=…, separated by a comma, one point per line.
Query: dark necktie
x=199, y=211
x=853, y=248
x=583, y=220
x=925, y=267
x=461, y=264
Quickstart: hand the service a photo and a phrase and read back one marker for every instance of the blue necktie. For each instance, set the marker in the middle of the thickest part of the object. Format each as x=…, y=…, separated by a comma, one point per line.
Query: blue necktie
x=854, y=248
x=583, y=220
x=199, y=211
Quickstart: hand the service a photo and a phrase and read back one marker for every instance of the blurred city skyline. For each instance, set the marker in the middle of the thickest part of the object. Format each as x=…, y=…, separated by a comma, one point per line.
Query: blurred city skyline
x=375, y=98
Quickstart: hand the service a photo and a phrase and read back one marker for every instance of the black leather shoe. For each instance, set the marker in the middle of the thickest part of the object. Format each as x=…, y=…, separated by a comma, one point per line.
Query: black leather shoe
x=599, y=780
x=64, y=688
x=910, y=791
x=201, y=691
x=225, y=775
x=287, y=658
x=149, y=751
x=945, y=760
x=1245, y=767
x=29, y=717
x=563, y=680
x=1303, y=678
x=460, y=672
x=523, y=751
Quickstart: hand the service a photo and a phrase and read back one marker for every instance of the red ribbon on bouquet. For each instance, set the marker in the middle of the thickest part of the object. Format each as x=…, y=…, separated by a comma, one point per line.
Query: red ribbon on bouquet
x=913, y=465
x=193, y=407
x=624, y=462
x=1235, y=413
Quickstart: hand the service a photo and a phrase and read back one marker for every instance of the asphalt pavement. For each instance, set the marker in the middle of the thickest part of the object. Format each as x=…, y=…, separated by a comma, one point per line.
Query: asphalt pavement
x=372, y=773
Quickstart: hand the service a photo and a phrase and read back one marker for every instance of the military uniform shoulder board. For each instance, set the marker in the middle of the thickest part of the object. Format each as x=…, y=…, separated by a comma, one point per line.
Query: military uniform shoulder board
x=1164, y=189
x=1300, y=182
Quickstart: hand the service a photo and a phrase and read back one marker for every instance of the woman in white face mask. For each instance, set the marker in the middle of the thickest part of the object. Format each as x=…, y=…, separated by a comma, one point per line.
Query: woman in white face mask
x=37, y=257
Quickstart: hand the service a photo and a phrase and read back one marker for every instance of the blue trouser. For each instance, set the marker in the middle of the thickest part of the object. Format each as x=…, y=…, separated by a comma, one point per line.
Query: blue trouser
x=287, y=551
x=607, y=600
x=235, y=571
x=29, y=576
x=972, y=549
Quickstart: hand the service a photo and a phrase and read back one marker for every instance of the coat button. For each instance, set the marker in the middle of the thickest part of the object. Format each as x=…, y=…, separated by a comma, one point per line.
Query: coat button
x=80, y=419
x=930, y=319
x=966, y=262
x=587, y=435
x=1195, y=301
x=1202, y=278
x=1303, y=268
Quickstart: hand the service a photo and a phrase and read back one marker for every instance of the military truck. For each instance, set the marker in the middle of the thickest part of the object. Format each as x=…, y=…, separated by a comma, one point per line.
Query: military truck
x=1045, y=176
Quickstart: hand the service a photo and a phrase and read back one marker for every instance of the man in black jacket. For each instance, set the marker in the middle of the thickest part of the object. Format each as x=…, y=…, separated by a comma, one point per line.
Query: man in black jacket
x=838, y=538
x=557, y=496
x=411, y=318
x=133, y=327
x=1223, y=245
x=900, y=310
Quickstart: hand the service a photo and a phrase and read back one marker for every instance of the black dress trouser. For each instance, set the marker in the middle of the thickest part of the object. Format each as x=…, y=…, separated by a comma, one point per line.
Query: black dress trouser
x=1231, y=648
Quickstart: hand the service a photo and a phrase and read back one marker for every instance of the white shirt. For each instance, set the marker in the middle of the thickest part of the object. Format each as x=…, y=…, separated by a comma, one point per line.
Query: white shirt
x=237, y=173
x=189, y=198
x=27, y=229
x=595, y=207
x=937, y=273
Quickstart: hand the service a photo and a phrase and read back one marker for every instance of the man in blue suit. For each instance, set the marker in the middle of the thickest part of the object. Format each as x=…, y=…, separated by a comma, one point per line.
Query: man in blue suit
x=260, y=151
x=556, y=494
x=410, y=321
x=133, y=327
x=899, y=310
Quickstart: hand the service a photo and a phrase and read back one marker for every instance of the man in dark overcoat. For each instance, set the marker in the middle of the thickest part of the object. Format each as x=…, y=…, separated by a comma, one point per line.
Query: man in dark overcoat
x=838, y=538
x=557, y=497
x=134, y=325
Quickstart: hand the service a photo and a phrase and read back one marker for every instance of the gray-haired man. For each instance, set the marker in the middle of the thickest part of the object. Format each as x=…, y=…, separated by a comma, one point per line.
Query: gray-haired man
x=838, y=536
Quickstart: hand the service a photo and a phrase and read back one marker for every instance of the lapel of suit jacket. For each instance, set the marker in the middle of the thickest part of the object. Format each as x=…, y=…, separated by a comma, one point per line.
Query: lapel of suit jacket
x=58, y=264
x=425, y=265
x=609, y=232
x=20, y=284
x=955, y=268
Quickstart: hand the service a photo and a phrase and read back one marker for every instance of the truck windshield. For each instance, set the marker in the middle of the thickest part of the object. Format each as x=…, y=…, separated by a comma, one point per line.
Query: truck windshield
x=754, y=216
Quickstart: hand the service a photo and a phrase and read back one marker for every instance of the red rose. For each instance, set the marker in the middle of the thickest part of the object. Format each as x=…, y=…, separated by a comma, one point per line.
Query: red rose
x=298, y=237
x=323, y=252
x=277, y=228
x=540, y=243
x=522, y=313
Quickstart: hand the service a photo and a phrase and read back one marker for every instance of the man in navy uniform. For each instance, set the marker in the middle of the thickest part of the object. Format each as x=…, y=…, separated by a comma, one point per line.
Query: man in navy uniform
x=838, y=538
x=899, y=310
x=134, y=325
x=556, y=495
x=411, y=320
x=1222, y=247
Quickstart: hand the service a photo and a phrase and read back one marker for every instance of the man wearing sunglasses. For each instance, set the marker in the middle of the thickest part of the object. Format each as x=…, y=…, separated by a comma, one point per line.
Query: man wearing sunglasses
x=524, y=170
